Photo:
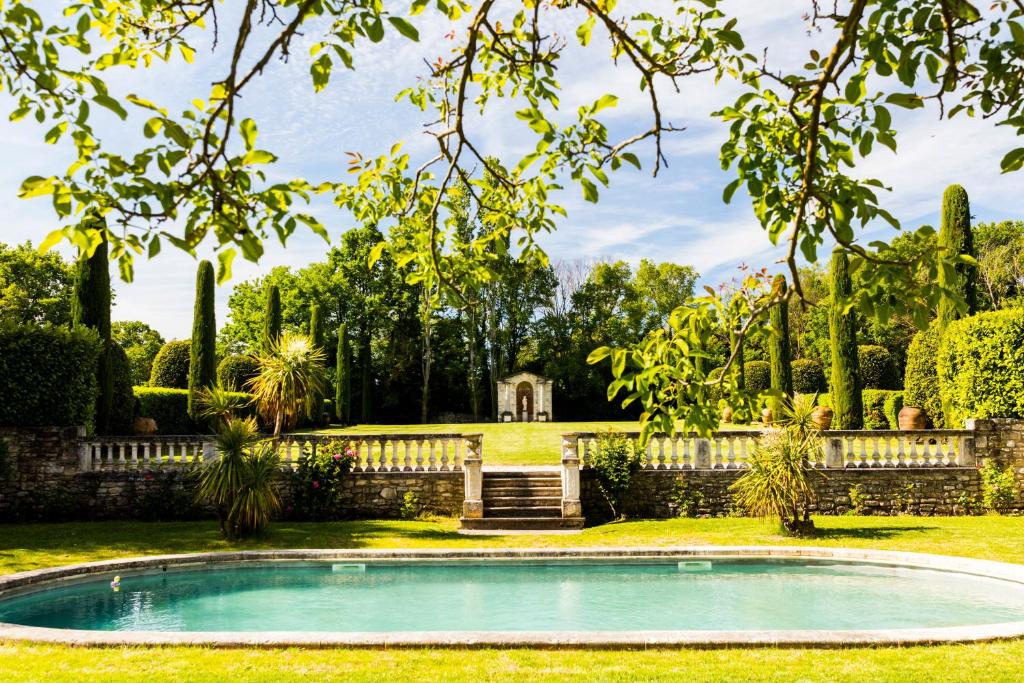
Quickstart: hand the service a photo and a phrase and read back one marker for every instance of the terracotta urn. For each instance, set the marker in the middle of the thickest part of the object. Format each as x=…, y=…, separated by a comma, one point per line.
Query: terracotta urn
x=912, y=417
x=767, y=417
x=822, y=417
x=727, y=414
x=144, y=425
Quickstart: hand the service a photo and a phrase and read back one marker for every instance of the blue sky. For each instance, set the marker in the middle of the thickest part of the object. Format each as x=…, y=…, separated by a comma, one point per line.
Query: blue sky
x=677, y=216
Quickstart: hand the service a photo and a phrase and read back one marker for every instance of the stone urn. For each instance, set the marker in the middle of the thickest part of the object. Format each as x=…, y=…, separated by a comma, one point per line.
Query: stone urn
x=727, y=414
x=766, y=416
x=912, y=417
x=822, y=417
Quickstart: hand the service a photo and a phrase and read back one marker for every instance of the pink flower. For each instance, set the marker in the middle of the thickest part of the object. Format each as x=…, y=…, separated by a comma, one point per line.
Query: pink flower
x=337, y=456
x=316, y=484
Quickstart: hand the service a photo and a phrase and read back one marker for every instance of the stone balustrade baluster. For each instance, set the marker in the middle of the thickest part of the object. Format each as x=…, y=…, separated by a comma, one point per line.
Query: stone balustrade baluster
x=876, y=456
x=444, y=455
x=673, y=462
x=419, y=455
x=432, y=455
x=661, y=453
x=407, y=460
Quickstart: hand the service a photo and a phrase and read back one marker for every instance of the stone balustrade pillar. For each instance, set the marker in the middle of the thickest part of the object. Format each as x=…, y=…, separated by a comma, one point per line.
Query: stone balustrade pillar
x=834, y=453
x=571, y=505
x=702, y=458
x=472, y=467
x=965, y=456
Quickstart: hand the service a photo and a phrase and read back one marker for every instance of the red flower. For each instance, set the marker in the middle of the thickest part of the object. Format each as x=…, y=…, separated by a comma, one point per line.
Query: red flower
x=316, y=484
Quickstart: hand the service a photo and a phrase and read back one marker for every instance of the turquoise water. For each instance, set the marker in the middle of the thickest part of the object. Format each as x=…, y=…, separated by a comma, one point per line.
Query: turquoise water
x=721, y=595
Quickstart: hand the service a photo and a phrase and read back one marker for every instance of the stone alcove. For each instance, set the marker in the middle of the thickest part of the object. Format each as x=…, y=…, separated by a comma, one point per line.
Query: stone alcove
x=524, y=397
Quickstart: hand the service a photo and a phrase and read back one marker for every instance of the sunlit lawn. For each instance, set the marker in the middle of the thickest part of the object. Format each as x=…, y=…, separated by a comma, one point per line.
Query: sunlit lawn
x=506, y=443
x=29, y=546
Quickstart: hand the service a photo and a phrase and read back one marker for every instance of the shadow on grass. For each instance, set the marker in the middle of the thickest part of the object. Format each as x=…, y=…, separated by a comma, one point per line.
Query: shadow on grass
x=871, y=533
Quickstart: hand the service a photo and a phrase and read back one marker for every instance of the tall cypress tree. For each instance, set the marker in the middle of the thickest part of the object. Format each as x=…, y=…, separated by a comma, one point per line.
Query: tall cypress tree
x=343, y=377
x=90, y=307
x=845, y=388
x=202, y=369
x=778, y=349
x=316, y=335
x=272, y=318
x=956, y=237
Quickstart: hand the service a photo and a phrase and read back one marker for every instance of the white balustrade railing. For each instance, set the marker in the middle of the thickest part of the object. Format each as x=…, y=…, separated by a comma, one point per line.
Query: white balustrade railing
x=840, y=449
x=370, y=452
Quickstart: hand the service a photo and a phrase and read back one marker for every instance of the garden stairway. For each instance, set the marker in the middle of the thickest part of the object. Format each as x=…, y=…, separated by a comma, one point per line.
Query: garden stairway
x=523, y=500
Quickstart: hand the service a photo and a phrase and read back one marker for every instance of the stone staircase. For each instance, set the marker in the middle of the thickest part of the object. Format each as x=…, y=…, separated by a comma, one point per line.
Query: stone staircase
x=522, y=501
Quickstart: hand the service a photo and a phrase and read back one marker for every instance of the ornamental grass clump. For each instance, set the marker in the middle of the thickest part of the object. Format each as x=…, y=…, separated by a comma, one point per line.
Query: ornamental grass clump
x=777, y=482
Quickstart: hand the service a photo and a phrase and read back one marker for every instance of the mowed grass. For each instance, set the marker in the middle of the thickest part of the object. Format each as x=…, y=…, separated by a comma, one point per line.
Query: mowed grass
x=505, y=443
x=38, y=545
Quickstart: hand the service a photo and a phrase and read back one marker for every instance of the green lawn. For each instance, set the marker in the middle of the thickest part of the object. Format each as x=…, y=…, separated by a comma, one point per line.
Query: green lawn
x=28, y=546
x=505, y=443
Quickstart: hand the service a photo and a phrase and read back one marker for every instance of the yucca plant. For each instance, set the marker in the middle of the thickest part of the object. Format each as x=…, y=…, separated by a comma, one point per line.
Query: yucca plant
x=219, y=406
x=257, y=500
x=292, y=378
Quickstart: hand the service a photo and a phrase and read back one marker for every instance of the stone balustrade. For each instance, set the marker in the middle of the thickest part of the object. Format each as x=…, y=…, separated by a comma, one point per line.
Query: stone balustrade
x=99, y=454
x=731, y=450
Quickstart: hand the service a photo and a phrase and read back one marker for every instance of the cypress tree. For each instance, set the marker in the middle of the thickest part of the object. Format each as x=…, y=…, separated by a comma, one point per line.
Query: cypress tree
x=90, y=307
x=202, y=369
x=316, y=335
x=343, y=376
x=845, y=386
x=272, y=318
x=778, y=349
x=956, y=237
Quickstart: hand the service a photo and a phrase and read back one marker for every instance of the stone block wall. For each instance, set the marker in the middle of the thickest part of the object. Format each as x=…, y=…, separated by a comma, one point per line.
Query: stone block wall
x=1001, y=440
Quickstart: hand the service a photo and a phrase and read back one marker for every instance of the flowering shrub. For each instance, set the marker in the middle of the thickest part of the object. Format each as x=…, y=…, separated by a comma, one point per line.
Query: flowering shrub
x=316, y=481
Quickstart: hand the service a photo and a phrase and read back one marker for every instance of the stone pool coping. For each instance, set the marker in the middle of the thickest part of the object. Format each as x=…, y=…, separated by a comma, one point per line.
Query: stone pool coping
x=39, y=579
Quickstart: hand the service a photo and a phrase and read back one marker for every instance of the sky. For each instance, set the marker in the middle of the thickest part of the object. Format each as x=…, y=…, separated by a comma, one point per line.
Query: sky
x=677, y=216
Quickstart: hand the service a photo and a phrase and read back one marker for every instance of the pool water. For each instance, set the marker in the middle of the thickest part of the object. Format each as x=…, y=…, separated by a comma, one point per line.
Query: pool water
x=568, y=596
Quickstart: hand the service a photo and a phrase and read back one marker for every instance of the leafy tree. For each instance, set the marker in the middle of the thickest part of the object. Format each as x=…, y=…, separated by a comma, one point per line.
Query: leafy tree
x=271, y=319
x=956, y=238
x=663, y=287
x=171, y=365
x=202, y=369
x=141, y=343
x=90, y=308
x=34, y=287
x=1000, y=255
x=845, y=384
x=247, y=308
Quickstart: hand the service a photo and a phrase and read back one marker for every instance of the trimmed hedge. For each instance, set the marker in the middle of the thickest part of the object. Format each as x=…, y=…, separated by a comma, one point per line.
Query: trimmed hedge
x=808, y=376
x=170, y=367
x=169, y=407
x=921, y=385
x=234, y=371
x=881, y=408
x=877, y=368
x=981, y=366
x=123, y=402
x=48, y=376
x=758, y=375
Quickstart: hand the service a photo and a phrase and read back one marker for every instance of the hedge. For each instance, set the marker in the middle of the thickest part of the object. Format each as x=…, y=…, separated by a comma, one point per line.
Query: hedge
x=48, y=376
x=877, y=368
x=881, y=407
x=758, y=375
x=123, y=401
x=921, y=384
x=170, y=367
x=234, y=371
x=981, y=366
x=808, y=377
x=169, y=407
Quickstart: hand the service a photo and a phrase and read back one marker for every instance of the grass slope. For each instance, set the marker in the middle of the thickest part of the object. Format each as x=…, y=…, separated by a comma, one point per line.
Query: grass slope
x=30, y=546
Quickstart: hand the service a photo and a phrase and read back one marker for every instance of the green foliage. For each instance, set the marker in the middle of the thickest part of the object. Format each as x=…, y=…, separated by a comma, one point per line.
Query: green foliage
x=90, y=307
x=316, y=335
x=169, y=407
x=411, y=506
x=778, y=348
x=1000, y=255
x=921, y=383
x=876, y=368
x=141, y=343
x=959, y=281
x=880, y=411
x=845, y=383
x=858, y=502
x=291, y=379
x=123, y=402
x=758, y=375
x=998, y=485
x=236, y=370
x=808, y=377
x=317, y=480
x=891, y=407
x=981, y=366
x=615, y=460
x=202, y=368
x=688, y=501
x=34, y=288
x=171, y=365
x=343, y=378
x=271, y=319
x=47, y=375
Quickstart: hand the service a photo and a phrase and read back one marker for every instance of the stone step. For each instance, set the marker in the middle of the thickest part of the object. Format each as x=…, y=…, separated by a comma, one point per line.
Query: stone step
x=522, y=523
x=540, y=511
x=521, y=481
x=546, y=492
x=523, y=501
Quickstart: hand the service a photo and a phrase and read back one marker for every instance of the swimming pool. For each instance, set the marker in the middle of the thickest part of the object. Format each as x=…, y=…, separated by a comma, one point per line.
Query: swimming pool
x=591, y=596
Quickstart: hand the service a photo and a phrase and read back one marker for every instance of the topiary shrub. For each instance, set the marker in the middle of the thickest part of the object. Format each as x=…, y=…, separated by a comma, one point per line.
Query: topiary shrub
x=877, y=403
x=48, y=376
x=981, y=366
x=170, y=367
x=123, y=401
x=921, y=383
x=758, y=375
x=892, y=407
x=808, y=377
x=169, y=407
x=234, y=371
x=956, y=237
x=877, y=368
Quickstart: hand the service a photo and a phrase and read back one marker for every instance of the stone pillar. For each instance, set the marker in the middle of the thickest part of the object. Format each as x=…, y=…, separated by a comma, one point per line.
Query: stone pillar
x=472, y=464
x=965, y=456
x=210, y=452
x=702, y=459
x=834, y=453
x=84, y=451
x=571, y=506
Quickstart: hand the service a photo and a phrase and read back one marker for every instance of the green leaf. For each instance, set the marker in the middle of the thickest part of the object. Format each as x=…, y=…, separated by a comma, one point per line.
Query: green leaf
x=375, y=253
x=906, y=100
x=604, y=102
x=589, y=190
x=584, y=30
x=36, y=186
x=248, y=130
x=113, y=105
x=375, y=30
x=405, y=28
x=51, y=241
x=258, y=156
x=1013, y=161
x=599, y=354
x=224, y=260
x=730, y=190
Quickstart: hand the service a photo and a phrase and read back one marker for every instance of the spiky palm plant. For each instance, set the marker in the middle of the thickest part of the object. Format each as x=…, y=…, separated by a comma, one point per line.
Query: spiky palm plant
x=221, y=481
x=291, y=379
x=257, y=500
x=219, y=406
